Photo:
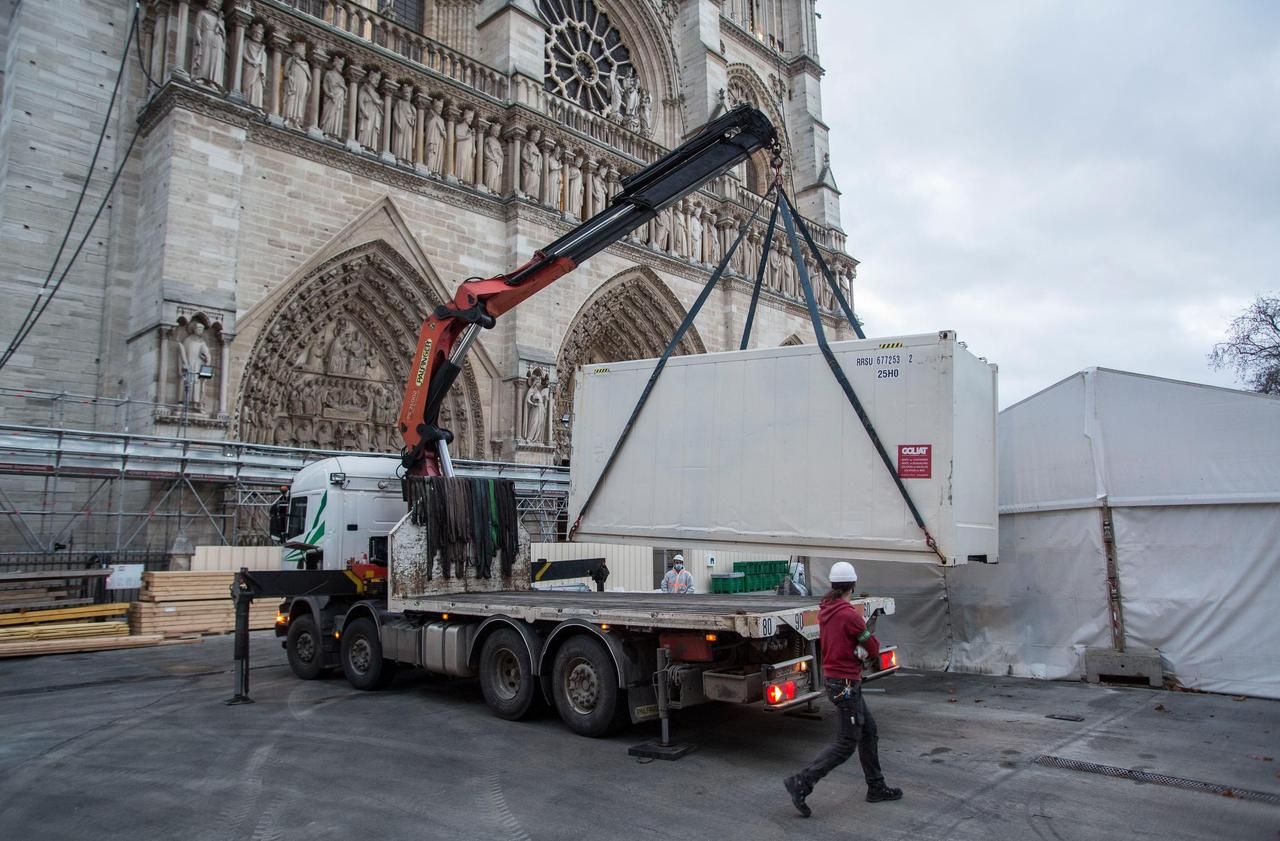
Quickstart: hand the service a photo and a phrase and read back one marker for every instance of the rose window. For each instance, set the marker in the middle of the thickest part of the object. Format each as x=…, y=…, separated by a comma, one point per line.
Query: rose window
x=584, y=52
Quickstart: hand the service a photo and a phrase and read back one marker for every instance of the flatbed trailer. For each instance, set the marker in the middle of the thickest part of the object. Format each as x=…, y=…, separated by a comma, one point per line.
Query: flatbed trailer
x=749, y=616
x=599, y=659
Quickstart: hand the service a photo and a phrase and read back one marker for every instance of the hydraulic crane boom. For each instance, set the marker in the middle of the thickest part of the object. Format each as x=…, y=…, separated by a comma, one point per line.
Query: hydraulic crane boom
x=447, y=335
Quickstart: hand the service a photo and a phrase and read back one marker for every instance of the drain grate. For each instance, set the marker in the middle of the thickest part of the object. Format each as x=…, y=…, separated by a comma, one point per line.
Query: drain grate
x=1157, y=779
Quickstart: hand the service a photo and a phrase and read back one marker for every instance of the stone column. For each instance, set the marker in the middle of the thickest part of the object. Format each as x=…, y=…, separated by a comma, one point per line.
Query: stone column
x=588, y=181
x=451, y=114
x=354, y=76
x=421, y=103
x=514, y=136
x=147, y=41
x=160, y=44
x=239, y=21
x=319, y=57
x=180, y=46
x=389, y=89
x=279, y=46
x=547, y=145
x=479, y=132
x=224, y=373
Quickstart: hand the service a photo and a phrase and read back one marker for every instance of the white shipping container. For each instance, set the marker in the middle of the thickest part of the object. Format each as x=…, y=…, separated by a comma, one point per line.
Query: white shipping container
x=760, y=449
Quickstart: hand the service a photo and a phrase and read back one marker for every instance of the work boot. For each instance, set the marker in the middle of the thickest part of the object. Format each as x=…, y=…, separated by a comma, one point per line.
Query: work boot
x=799, y=791
x=880, y=792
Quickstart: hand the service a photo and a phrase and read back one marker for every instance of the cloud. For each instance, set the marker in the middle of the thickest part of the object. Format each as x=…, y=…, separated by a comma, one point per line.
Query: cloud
x=1064, y=184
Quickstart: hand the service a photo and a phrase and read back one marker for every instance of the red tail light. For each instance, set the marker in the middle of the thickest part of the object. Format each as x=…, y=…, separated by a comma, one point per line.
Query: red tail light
x=776, y=693
x=888, y=659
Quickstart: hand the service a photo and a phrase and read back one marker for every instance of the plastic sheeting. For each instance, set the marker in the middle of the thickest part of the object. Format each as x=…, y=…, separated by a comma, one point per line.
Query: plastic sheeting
x=1202, y=585
x=1191, y=475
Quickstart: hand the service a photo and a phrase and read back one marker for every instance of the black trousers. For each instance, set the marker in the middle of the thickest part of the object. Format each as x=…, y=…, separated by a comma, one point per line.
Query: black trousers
x=855, y=730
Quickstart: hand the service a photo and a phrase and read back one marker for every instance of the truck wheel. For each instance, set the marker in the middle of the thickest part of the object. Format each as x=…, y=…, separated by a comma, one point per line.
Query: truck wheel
x=303, y=646
x=362, y=661
x=506, y=676
x=585, y=687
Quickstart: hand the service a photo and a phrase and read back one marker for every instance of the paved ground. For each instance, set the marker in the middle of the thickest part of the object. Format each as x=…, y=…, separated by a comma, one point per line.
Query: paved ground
x=138, y=745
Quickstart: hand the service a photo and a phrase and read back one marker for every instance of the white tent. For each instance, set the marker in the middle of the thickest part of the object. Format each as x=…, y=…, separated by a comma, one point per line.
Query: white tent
x=1190, y=478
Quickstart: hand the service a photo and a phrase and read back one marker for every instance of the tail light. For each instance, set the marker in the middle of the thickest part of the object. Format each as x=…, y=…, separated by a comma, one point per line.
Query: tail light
x=776, y=693
x=888, y=659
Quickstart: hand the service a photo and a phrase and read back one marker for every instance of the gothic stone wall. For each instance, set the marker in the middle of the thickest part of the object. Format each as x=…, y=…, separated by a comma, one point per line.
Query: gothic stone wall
x=247, y=217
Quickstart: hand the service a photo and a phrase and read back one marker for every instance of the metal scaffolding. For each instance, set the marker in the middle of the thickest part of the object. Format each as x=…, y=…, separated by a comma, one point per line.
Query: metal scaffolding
x=57, y=484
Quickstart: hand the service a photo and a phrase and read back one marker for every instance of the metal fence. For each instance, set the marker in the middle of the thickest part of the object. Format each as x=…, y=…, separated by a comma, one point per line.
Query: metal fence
x=95, y=589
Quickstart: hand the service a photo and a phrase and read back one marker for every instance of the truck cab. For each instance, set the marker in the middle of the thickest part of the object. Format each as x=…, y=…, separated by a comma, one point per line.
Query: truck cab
x=339, y=511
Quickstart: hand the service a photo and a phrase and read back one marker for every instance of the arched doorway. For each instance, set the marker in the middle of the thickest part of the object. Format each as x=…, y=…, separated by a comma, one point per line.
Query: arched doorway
x=327, y=371
x=631, y=316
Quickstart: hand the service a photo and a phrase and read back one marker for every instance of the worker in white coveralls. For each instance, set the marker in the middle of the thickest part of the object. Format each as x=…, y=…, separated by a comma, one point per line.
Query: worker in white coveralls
x=678, y=579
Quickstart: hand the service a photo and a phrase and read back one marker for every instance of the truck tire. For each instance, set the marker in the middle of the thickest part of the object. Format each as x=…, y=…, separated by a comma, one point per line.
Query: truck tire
x=305, y=648
x=584, y=684
x=362, y=661
x=506, y=676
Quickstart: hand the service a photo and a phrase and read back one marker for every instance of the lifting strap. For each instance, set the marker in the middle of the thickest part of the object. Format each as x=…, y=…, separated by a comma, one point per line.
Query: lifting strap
x=834, y=364
x=764, y=264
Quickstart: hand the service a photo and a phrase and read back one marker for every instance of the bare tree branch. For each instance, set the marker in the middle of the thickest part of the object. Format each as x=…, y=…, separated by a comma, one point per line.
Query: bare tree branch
x=1252, y=348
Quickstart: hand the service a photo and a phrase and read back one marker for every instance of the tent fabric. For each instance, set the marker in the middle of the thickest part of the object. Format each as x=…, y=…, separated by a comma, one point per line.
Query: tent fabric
x=1191, y=476
x=1201, y=585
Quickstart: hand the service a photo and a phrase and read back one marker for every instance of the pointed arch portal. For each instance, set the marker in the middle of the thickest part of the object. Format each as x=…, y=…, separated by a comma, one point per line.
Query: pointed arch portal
x=631, y=316
x=327, y=371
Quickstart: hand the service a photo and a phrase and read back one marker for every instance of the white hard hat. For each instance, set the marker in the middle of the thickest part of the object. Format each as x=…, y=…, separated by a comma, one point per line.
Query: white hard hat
x=842, y=572
x=679, y=558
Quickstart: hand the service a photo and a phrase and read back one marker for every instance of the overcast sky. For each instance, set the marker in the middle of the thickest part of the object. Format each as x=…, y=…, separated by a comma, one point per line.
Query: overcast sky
x=1066, y=184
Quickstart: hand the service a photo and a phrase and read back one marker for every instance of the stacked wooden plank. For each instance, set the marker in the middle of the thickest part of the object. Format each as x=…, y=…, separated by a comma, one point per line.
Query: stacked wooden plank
x=28, y=648
x=183, y=603
x=48, y=612
x=47, y=588
x=63, y=630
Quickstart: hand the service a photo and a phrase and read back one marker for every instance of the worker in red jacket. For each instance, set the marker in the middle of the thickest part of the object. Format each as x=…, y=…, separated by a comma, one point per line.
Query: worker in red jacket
x=843, y=630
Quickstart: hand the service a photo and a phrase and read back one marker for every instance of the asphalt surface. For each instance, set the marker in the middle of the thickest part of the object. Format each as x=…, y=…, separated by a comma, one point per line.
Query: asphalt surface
x=138, y=745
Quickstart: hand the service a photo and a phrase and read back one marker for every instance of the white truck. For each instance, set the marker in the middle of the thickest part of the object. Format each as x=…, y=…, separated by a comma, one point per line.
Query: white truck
x=600, y=659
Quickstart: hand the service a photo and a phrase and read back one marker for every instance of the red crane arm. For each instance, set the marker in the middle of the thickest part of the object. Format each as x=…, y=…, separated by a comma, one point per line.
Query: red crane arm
x=439, y=337
x=446, y=336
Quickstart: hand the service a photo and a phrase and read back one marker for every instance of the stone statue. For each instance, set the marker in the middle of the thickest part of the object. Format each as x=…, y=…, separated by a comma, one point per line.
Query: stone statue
x=774, y=275
x=435, y=135
x=632, y=104
x=555, y=172
x=324, y=435
x=713, y=241
x=369, y=112
x=493, y=160
x=597, y=191
x=464, y=158
x=646, y=114
x=193, y=354
x=531, y=158
x=254, y=68
x=334, y=89
x=680, y=231
x=695, y=234
x=535, y=407
x=573, y=202
x=209, y=59
x=297, y=85
x=403, y=119
x=661, y=239
x=615, y=95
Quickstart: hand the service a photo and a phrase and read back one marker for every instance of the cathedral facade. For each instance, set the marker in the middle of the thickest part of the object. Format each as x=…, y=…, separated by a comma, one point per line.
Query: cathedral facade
x=303, y=181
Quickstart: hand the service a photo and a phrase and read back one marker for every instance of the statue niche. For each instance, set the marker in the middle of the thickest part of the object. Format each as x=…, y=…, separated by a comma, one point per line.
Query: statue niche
x=198, y=349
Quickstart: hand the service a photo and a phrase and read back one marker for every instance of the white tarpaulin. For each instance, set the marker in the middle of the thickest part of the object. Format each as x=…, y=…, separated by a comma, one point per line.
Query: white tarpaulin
x=1191, y=477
